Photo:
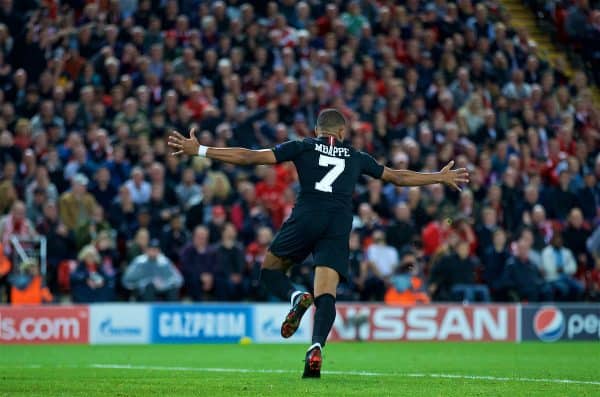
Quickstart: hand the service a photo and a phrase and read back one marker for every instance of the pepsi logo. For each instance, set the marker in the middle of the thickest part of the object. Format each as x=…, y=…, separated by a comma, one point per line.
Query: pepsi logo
x=549, y=323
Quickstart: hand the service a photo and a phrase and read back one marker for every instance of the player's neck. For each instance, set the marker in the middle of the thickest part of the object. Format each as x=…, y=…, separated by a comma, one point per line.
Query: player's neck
x=327, y=135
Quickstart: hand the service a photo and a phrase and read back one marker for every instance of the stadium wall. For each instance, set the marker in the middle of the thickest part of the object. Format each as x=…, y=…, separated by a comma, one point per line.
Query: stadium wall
x=234, y=323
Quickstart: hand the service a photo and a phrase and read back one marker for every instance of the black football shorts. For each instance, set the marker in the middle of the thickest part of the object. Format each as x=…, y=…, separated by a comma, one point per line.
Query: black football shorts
x=325, y=234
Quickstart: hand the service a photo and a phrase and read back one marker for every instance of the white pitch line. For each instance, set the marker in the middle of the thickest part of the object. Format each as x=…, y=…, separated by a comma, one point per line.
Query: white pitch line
x=351, y=373
x=235, y=370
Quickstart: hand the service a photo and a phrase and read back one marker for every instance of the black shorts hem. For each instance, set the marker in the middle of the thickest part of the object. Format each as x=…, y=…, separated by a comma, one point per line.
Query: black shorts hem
x=343, y=274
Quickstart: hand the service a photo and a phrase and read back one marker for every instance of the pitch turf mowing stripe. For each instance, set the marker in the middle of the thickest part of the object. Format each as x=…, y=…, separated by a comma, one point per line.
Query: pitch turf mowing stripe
x=350, y=373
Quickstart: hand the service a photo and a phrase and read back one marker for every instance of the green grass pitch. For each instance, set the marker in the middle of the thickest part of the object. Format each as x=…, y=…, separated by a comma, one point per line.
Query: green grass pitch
x=350, y=369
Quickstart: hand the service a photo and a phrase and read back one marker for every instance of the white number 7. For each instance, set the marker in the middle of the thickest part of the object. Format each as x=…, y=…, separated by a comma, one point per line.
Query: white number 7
x=324, y=184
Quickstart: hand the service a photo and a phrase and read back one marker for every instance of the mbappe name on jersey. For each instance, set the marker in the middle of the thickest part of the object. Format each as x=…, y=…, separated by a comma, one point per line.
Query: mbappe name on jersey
x=334, y=151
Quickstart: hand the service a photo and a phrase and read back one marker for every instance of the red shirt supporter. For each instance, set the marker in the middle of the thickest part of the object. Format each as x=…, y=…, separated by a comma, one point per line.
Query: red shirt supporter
x=325, y=23
x=433, y=235
x=286, y=173
x=196, y=104
x=256, y=251
x=270, y=193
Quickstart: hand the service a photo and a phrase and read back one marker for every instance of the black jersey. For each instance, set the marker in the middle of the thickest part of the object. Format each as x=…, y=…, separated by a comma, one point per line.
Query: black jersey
x=328, y=171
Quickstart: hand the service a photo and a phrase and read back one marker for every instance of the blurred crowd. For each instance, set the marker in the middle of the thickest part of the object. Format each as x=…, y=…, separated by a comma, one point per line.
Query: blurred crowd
x=575, y=24
x=90, y=90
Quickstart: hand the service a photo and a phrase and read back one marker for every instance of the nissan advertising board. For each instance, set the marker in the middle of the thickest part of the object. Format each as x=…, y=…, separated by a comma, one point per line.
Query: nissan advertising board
x=568, y=322
x=425, y=323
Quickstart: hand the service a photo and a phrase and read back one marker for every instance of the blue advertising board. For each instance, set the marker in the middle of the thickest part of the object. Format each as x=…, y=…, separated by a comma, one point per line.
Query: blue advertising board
x=201, y=323
x=560, y=322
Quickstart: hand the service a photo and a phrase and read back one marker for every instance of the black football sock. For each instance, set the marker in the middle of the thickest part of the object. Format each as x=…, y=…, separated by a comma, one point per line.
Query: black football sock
x=277, y=283
x=324, y=317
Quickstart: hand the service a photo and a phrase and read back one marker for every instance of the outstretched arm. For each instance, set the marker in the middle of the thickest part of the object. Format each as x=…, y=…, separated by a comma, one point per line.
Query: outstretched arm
x=447, y=176
x=239, y=156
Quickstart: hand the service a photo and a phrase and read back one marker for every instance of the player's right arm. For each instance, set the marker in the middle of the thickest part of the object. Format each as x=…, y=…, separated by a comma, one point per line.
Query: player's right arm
x=238, y=156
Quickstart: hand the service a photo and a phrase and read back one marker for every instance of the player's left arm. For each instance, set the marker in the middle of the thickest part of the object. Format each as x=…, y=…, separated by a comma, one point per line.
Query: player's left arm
x=447, y=176
x=238, y=156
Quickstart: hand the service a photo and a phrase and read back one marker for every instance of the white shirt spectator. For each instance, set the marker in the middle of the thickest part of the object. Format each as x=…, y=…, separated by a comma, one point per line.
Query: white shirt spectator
x=384, y=257
x=157, y=270
x=554, y=259
x=140, y=193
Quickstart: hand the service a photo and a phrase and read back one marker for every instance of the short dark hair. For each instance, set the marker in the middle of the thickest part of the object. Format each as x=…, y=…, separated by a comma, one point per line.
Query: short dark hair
x=331, y=120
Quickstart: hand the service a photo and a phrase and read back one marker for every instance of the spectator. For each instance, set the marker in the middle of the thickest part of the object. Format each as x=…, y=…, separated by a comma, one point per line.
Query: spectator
x=139, y=245
x=522, y=278
x=435, y=233
x=400, y=233
x=255, y=254
x=16, y=225
x=269, y=192
x=217, y=223
x=102, y=190
x=35, y=208
x=41, y=183
x=383, y=258
x=198, y=265
x=60, y=242
x=157, y=180
x=367, y=221
x=542, y=228
x=494, y=262
x=588, y=197
x=577, y=20
x=76, y=206
x=407, y=286
x=351, y=288
x=151, y=276
x=8, y=195
x=375, y=197
x=89, y=230
x=139, y=189
x=229, y=267
x=188, y=189
x=131, y=116
x=123, y=213
x=575, y=235
x=485, y=230
x=558, y=269
x=562, y=199
x=453, y=277
x=92, y=281
x=173, y=237
x=28, y=286
x=353, y=19
x=517, y=89
x=157, y=209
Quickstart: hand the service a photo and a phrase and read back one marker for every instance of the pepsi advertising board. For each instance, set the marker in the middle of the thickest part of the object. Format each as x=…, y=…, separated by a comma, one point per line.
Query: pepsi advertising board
x=564, y=322
x=201, y=323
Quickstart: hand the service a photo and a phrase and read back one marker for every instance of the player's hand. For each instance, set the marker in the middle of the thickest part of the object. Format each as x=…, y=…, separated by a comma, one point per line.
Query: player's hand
x=183, y=145
x=452, y=177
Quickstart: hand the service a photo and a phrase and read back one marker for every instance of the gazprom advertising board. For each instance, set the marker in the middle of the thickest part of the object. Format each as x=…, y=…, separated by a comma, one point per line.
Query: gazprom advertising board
x=212, y=323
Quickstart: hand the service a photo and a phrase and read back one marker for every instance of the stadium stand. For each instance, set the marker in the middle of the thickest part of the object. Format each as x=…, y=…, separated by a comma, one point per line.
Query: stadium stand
x=90, y=90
